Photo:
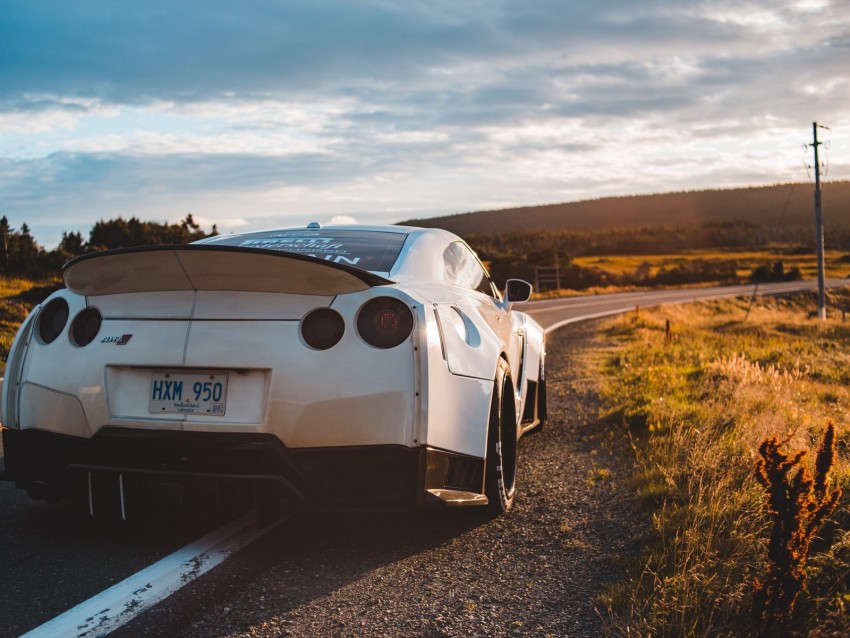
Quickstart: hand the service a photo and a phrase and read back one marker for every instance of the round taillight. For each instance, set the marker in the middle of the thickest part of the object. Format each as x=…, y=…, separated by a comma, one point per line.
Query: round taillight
x=85, y=326
x=322, y=328
x=384, y=322
x=52, y=320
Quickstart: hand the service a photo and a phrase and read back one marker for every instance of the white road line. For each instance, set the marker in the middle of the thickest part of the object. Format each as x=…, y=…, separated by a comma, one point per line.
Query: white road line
x=122, y=602
x=596, y=315
x=629, y=308
x=698, y=295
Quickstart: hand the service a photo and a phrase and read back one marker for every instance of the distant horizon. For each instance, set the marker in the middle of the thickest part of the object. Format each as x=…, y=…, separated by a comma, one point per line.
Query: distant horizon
x=344, y=220
x=824, y=185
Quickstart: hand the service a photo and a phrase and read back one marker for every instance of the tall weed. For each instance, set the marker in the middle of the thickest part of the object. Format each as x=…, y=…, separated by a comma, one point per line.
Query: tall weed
x=798, y=504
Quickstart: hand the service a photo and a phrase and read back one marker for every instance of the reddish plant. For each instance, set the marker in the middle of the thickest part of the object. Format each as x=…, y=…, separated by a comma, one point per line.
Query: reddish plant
x=798, y=504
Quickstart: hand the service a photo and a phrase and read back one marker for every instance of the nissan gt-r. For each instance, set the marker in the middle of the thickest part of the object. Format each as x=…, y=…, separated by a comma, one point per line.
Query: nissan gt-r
x=344, y=366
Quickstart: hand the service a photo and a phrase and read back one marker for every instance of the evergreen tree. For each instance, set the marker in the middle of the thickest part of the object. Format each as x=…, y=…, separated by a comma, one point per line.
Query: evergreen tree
x=5, y=233
x=72, y=244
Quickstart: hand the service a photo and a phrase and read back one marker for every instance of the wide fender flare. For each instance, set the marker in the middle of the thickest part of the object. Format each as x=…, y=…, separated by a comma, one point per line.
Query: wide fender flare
x=535, y=357
x=470, y=348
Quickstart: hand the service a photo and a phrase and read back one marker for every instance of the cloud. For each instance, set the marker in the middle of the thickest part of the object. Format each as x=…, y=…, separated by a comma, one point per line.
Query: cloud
x=258, y=112
x=342, y=219
x=134, y=53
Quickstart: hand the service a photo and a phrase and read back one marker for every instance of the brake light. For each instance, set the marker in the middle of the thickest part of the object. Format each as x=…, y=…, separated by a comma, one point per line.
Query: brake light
x=384, y=322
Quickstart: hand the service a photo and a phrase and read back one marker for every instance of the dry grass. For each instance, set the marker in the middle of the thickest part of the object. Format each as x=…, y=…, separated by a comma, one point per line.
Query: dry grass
x=746, y=261
x=836, y=263
x=13, y=286
x=697, y=407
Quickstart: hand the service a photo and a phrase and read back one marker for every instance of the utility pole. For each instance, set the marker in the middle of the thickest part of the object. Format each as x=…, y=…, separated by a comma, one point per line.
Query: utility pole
x=819, y=226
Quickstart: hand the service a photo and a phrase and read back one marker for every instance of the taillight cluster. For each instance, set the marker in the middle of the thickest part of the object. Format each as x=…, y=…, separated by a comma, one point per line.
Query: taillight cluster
x=383, y=322
x=54, y=317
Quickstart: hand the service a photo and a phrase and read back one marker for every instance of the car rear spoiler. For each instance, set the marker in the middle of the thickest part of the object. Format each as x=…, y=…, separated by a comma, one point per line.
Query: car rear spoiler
x=194, y=267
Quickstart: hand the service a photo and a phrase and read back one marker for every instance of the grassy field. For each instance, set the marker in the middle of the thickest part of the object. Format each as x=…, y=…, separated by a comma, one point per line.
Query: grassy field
x=697, y=403
x=837, y=263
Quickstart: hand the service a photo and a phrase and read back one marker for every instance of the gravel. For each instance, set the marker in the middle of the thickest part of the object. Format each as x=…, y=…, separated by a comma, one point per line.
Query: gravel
x=537, y=571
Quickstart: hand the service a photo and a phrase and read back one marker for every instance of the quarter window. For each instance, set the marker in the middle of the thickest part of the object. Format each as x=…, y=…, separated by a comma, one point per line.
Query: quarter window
x=463, y=269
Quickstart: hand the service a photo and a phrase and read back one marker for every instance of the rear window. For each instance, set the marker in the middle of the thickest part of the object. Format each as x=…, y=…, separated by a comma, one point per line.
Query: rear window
x=365, y=249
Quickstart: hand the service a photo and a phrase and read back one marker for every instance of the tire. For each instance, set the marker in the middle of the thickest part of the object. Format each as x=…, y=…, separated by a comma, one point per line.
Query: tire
x=501, y=463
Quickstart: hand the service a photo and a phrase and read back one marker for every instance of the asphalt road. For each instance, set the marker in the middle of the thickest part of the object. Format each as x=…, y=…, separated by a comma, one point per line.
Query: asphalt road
x=53, y=556
x=553, y=313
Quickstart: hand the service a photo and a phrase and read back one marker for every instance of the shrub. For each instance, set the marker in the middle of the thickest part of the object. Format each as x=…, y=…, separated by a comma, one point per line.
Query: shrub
x=798, y=505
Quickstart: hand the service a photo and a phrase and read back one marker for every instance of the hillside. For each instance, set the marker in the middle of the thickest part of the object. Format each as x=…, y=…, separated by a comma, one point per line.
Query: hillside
x=785, y=205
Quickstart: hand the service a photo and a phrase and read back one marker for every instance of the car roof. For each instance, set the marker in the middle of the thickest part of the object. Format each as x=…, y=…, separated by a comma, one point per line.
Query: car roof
x=384, y=228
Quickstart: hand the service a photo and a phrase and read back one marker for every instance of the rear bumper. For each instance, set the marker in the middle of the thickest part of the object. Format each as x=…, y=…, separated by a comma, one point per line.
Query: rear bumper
x=340, y=477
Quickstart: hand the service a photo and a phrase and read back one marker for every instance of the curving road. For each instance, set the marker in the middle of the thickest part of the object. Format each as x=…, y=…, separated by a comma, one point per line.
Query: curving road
x=555, y=313
x=53, y=557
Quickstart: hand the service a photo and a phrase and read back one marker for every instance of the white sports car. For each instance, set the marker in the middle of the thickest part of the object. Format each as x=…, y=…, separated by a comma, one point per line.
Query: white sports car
x=341, y=365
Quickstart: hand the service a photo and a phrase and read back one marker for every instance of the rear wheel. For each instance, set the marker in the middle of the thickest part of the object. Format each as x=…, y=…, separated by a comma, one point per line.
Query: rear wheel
x=500, y=468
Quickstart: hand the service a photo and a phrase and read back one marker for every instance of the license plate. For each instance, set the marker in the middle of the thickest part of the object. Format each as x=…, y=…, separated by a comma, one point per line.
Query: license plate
x=188, y=393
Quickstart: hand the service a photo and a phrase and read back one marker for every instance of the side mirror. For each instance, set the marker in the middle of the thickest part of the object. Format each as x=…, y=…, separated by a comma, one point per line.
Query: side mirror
x=517, y=291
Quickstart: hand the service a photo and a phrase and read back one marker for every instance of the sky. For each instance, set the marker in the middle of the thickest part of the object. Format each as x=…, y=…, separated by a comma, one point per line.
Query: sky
x=269, y=113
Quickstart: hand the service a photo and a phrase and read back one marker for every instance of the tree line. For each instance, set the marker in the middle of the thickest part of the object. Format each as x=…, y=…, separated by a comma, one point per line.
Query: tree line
x=653, y=240
x=517, y=253
x=508, y=254
x=20, y=254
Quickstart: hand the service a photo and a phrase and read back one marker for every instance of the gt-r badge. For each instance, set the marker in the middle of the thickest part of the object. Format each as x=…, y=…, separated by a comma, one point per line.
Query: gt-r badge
x=118, y=341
